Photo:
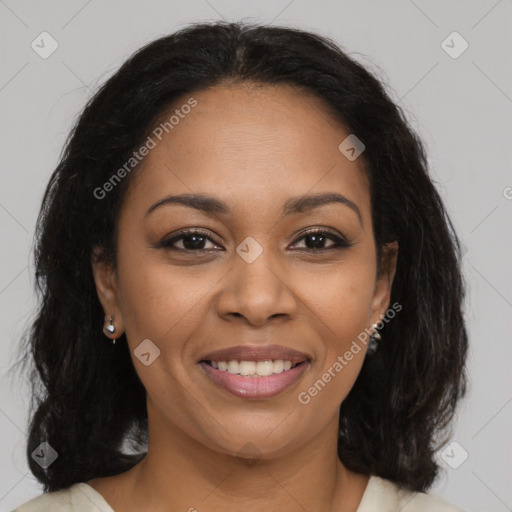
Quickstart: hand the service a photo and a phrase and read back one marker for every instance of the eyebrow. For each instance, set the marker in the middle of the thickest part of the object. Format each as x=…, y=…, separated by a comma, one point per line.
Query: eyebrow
x=211, y=205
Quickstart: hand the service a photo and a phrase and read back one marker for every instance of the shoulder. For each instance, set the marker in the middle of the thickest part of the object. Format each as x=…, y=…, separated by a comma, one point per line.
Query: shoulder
x=383, y=495
x=79, y=497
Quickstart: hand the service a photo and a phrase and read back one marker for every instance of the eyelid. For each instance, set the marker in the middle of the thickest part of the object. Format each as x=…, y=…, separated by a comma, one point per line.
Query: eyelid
x=341, y=241
x=168, y=241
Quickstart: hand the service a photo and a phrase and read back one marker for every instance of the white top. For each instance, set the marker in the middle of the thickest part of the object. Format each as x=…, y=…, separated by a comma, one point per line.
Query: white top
x=380, y=495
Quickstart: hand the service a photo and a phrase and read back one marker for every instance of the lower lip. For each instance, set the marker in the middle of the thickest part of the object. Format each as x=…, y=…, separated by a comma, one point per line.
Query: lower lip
x=255, y=388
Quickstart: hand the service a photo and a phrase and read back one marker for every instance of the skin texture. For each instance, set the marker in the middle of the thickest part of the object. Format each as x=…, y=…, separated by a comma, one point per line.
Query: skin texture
x=253, y=147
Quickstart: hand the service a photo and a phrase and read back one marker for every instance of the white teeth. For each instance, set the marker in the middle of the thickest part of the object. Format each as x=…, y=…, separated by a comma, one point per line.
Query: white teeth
x=264, y=368
x=246, y=368
x=252, y=368
x=278, y=366
x=233, y=367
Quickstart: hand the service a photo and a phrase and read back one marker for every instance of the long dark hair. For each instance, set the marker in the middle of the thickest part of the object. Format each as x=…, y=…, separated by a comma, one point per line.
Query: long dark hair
x=87, y=400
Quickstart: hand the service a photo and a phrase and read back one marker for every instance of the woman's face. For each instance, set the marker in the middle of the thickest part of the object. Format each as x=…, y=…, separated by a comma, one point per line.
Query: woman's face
x=252, y=277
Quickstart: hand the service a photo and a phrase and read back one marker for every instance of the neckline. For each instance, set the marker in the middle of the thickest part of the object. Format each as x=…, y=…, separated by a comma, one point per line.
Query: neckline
x=368, y=492
x=100, y=501
x=94, y=496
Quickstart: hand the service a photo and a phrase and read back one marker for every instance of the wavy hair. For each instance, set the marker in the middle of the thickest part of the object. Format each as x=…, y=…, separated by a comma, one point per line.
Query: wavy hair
x=87, y=401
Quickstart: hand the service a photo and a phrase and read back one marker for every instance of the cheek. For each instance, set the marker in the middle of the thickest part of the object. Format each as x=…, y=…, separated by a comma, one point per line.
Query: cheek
x=161, y=304
x=158, y=300
x=343, y=299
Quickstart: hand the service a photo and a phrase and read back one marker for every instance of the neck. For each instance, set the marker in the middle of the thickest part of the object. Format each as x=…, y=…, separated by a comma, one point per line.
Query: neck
x=184, y=474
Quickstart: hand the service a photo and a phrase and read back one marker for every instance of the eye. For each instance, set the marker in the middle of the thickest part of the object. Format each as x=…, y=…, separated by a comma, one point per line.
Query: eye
x=316, y=239
x=192, y=240
x=195, y=240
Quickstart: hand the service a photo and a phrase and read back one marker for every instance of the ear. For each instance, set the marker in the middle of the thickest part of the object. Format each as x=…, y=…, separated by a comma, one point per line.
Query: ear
x=105, y=278
x=384, y=281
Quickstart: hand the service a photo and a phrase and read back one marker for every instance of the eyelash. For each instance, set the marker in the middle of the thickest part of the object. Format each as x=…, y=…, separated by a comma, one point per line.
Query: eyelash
x=340, y=242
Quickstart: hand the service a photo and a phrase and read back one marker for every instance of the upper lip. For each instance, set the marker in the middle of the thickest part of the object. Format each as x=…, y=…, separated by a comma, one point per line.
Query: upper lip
x=256, y=353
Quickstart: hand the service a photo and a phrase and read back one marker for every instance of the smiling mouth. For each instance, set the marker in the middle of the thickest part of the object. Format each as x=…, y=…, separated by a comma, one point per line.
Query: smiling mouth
x=254, y=368
x=255, y=380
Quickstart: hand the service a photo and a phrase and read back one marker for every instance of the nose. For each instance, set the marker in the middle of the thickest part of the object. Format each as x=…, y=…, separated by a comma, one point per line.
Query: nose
x=258, y=291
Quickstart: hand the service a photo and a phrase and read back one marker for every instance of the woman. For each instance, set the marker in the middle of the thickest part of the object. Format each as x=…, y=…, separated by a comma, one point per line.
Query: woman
x=244, y=265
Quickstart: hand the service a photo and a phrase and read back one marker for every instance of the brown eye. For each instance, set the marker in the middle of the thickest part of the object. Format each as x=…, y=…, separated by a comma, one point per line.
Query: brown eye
x=193, y=240
x=317, y=238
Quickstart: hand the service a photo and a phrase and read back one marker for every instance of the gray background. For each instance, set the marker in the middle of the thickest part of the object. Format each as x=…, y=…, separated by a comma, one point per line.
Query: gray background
x=460, y=106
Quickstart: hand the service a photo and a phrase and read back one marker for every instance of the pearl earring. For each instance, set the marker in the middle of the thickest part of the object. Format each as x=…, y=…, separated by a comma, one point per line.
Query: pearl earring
x=376, y=334
x=110, y=329
x=373, y=344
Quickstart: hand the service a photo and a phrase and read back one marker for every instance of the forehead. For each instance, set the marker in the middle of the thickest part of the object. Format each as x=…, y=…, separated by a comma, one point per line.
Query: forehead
x=251, y=144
